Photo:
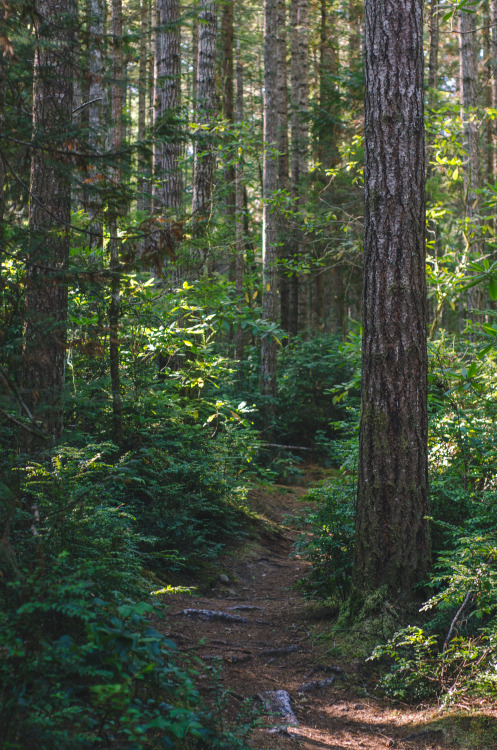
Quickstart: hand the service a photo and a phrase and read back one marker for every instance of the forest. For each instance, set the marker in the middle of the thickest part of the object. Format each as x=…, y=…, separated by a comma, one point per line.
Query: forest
x=248, y=374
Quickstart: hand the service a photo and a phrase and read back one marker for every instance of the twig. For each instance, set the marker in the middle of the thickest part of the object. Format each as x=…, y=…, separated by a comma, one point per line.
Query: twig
x=456, y=617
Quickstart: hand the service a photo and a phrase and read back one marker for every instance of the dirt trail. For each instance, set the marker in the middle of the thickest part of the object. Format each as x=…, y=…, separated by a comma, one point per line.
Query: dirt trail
x=270, y=645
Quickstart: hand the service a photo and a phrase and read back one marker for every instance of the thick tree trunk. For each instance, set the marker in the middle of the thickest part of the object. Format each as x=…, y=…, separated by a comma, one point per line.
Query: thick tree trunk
x=96, y=94
x=468, y=56
x=204, y=158
x=392, y=535
x=270, y=184
x=115, y=242
x=239, y=212
x=285, y=250
x=45, y=334
x=168, y=99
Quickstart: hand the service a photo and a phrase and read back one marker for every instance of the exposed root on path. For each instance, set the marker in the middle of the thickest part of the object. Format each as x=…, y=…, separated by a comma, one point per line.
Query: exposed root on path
x=255, y=625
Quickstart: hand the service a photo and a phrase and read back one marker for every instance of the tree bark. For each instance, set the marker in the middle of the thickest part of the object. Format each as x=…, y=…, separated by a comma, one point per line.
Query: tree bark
x=115, y=243
x=493, y=19
x=392, y=535
x=228, y=114
x=142, y=198
x=239, y=212
x=270, y=184
x=285, y=249
x=96, y=117
x=204, y=158
x=168, y=99
x=45, y=325
x=300, y=138
x=468, y=57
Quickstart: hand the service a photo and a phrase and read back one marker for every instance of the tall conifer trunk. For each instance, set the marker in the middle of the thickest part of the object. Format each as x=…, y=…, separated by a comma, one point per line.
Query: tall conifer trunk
x=300, y=136
x=96, y=117
x=270, y=183
x=239, y=212
x=283, y=160
x=115, y=242
x=468, y=56
x=392, y=536
x=204, y=158
x=45, y=335
x=168, y=99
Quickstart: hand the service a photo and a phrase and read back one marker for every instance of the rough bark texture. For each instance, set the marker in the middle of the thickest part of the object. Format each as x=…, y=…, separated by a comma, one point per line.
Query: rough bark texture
x=142, y=198
x=203, y=167
x=468, y=57
x=96, y=12
x=45, y=335
x=229, y=115
x=488, y=167
x=392, y=535
x=300, y=139
x=239, y=212
x=270, y=184
x=283, y=158
x=328, y=94
x=168, y=99
x=115, y=243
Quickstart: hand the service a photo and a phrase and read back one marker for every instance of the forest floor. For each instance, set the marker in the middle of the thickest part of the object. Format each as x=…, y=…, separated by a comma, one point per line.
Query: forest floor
x=282, y=642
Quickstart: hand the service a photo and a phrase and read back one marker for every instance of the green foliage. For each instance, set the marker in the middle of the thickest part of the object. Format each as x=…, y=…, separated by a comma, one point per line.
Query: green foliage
x=79, y=672
x=329, y=547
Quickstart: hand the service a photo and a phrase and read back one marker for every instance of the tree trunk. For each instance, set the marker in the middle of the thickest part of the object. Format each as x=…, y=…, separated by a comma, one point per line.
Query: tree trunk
x=493, y=19
x=115, y=243
x=328, y=93
x=285, y=250
x=392, y=535
x=488, y=164
x=142, y=198
x=168, y=99
x=239, y=212
x=96, y=12
x=468, y=56
x=204, y=158
x=228, y=114
x=270, y=184
x=300, y=138
x=45, y=326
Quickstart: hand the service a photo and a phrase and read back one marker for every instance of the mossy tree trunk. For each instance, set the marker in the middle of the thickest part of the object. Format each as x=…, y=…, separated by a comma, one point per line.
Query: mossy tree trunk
x=392, y=548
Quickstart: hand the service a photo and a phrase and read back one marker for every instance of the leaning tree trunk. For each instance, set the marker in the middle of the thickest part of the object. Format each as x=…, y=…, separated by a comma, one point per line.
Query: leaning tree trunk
x=45, y=326
x=204, y=158
x=392, y=534
x=270, y=184
x=468, y=57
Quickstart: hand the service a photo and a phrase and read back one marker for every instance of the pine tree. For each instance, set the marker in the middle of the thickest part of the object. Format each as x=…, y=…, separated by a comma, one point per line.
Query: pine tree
x=392, y=537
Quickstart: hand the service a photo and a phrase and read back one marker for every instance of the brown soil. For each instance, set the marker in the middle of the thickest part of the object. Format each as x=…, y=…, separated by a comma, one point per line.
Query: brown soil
x=261, y=585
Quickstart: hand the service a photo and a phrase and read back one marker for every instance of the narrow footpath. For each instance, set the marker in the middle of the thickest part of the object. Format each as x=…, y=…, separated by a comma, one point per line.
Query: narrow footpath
x=265, y=637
